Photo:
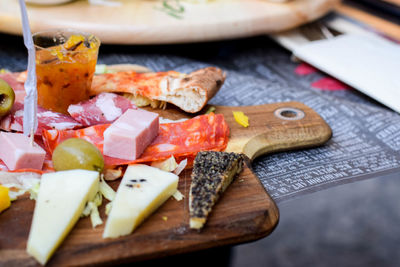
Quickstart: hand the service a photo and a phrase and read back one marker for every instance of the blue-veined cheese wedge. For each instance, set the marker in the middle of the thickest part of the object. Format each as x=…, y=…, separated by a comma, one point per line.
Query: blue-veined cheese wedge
x=142, y=190
x=61, y=200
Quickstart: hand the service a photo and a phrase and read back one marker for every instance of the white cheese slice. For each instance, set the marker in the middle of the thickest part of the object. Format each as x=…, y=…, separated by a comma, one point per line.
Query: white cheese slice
x=142, y=190
x=61, y=200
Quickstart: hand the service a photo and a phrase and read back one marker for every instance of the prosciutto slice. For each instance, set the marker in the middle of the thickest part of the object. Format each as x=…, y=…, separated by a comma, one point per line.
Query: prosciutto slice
x=46, y=120
x=102, y=109
x=182, y=139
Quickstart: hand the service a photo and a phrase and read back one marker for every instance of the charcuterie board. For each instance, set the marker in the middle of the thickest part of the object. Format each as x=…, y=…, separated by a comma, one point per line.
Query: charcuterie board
x=166, y=21
x=244, y=213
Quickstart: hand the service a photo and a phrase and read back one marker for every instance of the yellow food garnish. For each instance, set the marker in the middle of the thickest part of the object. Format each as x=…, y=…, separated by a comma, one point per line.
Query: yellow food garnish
x=73, y=43
x=5, y=201
x=57, y=52
x=74, y=40
x=241, y=118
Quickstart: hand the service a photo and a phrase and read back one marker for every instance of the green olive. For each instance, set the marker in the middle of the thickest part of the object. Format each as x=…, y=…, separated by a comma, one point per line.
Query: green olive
x=76, y=153
x=7, y=98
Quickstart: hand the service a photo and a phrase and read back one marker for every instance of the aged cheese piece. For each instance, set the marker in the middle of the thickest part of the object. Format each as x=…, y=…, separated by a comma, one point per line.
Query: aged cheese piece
x=17, y=152
x=61, y=200
x=142, y=190
x=130, y=134
x=212, y=174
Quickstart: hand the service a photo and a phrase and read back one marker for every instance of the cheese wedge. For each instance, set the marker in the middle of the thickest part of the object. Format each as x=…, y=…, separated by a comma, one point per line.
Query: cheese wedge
x=212, y=173
x=61, y=200
x=142, y=190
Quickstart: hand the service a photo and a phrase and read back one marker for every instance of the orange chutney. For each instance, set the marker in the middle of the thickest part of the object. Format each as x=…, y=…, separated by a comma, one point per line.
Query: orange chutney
x=64, y=72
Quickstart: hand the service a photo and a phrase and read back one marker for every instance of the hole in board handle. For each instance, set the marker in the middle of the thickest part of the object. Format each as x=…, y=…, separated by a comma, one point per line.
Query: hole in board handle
x=291, y=114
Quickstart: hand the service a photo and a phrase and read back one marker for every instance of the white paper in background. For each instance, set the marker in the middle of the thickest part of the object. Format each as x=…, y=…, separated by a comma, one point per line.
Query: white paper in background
x=30, y=102
x=369, y=64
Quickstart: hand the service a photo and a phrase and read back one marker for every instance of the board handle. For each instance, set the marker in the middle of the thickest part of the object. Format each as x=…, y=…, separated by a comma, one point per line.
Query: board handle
x=292, y=127
x=277, y=127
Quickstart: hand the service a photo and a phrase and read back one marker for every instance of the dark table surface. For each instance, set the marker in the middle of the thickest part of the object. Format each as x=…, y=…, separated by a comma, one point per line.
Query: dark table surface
x=350, y=225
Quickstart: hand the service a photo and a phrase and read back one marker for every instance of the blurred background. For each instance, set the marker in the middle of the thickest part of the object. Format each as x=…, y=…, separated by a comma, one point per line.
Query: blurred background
x=354, y=224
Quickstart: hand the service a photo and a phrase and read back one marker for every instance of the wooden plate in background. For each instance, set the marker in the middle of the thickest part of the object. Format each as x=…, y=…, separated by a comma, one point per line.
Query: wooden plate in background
x=166, y=21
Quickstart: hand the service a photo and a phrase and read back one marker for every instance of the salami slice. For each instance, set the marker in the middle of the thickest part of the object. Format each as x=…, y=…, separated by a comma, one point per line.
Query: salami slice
x=182, y=139
x=46, y=120
x=102, y=109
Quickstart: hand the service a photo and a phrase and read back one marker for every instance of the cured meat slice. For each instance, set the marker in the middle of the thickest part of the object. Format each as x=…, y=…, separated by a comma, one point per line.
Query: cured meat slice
x=185, y=139
x=52, y=120
x=46, y=120
x=182, y=139
x=102, y=109
x=8, y=123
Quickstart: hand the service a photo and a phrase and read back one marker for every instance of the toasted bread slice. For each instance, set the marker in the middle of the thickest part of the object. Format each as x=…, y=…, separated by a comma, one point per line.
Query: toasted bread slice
x=190, y=92
x=212, y=173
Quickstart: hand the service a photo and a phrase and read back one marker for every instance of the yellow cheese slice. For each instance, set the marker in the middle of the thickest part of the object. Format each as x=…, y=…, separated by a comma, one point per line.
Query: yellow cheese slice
x=61, y=200
x=142, y=190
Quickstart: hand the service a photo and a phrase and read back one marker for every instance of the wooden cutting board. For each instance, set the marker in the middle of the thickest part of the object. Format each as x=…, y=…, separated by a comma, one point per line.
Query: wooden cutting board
x=244, y=213
x=167, y=21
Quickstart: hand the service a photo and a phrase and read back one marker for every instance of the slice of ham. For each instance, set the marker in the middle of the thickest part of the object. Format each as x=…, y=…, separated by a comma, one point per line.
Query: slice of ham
x=47, y=165
x=181, y=140
x=102, y=109
x=18, y=152
x=129, y=136
x=46, y=120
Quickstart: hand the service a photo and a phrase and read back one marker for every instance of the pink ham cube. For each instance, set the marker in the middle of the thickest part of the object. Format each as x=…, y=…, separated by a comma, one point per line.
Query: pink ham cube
x=17, y=152
x=148, y=120
x=130, y=134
